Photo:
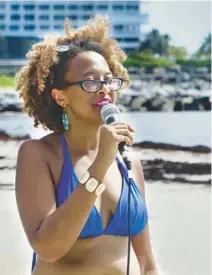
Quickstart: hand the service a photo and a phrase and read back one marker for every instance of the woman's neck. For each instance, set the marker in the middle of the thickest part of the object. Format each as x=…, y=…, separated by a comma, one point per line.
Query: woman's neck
x=83, y=138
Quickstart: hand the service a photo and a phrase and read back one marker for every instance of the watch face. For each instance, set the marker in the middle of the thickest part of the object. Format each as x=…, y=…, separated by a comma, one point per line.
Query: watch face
x=91, y=184
x=100, y=189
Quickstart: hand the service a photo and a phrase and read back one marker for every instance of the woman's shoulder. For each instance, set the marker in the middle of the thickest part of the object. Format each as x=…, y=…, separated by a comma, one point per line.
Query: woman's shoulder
x=44, y=147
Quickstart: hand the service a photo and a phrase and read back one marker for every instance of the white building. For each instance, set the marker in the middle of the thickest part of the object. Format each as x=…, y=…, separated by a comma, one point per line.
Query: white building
x=35, y=18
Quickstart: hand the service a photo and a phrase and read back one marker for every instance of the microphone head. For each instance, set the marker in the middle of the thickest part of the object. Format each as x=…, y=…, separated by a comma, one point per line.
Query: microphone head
x=109, y=110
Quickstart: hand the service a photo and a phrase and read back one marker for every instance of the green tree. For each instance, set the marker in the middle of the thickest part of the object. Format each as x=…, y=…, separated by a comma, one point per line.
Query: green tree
x=205, y=49
x=178, y=52
x=156, y=43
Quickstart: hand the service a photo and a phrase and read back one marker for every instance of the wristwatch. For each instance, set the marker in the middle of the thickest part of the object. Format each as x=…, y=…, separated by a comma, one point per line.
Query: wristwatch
x=100, y=188
x=82, y=179
x=91, y=184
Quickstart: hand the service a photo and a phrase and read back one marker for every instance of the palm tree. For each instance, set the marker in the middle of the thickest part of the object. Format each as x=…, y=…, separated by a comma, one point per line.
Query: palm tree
x=205, y=48
x=156, y=43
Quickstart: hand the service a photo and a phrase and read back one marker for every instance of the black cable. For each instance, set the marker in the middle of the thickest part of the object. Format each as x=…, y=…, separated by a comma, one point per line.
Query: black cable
x=129, y=167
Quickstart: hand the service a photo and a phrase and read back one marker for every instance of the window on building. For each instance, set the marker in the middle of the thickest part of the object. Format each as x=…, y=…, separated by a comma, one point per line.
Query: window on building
x=133, y=7
x=29, y=27
x=58, y=27
x=29, y=17
x=59, y=7
x=59, y=17
x=118, y=7
x=73, y=7
x=131, y=39
x=118, y=27
x=44, y=7
x=129, y=50
x=87, y=7
x=44, y=27
x=14, y=27
x=2, y=16
x=15, y=17
x=133, y=28
x=85, y=17
x=29, y=7
x=15, y=7
x=102, y=7
x=2, y=27
x=72, y=17
x=44, y=17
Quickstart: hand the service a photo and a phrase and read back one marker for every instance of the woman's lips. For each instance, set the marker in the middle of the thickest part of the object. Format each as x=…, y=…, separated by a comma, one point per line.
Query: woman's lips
x=101, y=103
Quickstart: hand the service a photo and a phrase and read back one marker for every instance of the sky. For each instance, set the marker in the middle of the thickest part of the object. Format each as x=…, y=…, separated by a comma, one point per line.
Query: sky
x=187, y=22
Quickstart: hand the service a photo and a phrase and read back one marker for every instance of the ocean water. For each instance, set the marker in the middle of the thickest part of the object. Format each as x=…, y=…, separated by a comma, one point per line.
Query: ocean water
x=179, y=128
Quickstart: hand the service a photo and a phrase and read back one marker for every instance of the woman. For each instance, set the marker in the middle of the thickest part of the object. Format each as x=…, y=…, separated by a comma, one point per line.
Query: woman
x=71, y=188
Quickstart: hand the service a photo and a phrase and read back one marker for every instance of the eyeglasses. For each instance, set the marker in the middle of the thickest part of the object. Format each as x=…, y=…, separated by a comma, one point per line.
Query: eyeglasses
x=93, y=86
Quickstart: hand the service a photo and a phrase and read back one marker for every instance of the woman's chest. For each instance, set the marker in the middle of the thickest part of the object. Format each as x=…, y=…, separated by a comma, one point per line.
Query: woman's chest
x=111, y=196
x=113, y=180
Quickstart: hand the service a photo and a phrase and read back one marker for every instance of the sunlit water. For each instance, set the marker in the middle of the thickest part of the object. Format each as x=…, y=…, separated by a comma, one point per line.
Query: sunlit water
x=180, y=128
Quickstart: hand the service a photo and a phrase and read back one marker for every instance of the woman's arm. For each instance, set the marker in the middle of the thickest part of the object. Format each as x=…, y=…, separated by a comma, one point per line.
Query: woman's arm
x=51, y=232
x=141, y=243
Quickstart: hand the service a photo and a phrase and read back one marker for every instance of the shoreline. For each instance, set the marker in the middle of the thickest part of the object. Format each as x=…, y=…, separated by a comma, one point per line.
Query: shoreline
x=159, y=165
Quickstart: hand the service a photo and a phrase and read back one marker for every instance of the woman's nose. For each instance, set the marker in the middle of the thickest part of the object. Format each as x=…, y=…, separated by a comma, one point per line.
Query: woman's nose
x=104, y=89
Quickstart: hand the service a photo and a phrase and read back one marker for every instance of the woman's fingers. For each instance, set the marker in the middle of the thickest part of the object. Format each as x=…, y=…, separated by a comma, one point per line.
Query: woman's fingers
x=123, y=125
x=125, y=132
x=125, y=139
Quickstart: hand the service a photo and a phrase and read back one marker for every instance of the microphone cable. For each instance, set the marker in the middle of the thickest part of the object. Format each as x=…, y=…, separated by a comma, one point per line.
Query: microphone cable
x=127, y=162
x=109, y=113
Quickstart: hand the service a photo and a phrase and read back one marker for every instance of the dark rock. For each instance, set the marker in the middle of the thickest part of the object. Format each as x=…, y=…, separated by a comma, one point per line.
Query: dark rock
x=10, y=108
x=165, y=146
x=6, y=137
x=8, y=186
x=7, y=167
x=159, y=170
x=178, y=106
x=170, y=167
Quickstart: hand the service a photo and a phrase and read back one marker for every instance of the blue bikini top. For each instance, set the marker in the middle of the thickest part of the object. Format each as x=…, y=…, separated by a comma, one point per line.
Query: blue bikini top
x=118, y=225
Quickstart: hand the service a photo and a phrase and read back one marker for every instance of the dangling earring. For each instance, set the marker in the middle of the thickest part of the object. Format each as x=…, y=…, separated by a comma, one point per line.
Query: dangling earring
x=65, y=120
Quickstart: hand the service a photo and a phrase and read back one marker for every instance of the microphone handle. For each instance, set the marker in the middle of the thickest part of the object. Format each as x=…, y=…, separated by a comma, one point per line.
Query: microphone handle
x=125, y=153
x=122, y=145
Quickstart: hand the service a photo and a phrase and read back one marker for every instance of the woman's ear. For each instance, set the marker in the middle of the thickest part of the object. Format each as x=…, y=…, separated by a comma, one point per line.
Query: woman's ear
x=59, y=97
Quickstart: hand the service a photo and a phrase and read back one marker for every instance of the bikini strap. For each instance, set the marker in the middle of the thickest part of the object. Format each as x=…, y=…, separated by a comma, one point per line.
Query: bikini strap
x=65, y=148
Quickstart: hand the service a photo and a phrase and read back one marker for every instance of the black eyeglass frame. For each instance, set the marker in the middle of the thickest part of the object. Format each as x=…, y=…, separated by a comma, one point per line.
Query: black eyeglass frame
x=80, y=82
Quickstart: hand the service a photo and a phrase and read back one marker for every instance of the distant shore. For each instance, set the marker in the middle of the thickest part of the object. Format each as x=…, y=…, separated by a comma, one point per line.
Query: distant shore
x=161, y=162
x=157, y=90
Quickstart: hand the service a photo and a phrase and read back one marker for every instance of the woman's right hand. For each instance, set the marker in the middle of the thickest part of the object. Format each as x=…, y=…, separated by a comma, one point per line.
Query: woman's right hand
x=110, y=137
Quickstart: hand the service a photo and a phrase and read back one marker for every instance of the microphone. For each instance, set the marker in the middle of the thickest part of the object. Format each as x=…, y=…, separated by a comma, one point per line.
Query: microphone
x=109, y=114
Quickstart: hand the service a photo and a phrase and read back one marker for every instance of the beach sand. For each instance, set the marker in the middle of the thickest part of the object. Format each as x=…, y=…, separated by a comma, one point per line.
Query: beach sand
x=179, y=218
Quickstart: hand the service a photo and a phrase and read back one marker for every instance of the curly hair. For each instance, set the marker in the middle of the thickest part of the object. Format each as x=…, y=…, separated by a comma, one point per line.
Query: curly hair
x=46, y=68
